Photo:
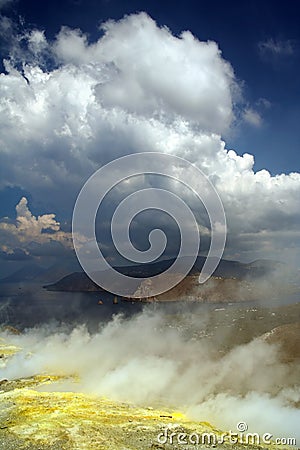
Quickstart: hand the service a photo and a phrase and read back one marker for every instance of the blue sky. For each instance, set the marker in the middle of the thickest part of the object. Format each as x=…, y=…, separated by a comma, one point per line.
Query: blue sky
x=60, y=123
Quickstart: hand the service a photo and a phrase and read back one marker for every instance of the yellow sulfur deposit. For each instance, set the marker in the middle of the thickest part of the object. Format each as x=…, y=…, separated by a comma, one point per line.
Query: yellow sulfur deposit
x=31, y=418
x=78, y=421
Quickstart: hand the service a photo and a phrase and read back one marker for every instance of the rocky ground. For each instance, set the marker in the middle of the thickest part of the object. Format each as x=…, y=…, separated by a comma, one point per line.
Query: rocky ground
x=230, y=326
x=214, y=290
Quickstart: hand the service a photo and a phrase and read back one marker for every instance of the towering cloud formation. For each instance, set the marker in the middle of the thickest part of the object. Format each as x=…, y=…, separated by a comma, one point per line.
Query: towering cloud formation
x=149, y=72
x=32, y=235
x=138, y=88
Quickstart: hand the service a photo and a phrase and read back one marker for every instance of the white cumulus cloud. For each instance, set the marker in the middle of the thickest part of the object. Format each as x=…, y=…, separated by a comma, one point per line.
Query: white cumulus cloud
x=28, y=231
x=138, y=88
x=151, y=72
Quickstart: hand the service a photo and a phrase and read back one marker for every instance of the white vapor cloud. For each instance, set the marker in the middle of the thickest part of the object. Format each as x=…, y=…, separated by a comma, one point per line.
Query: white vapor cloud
x=142, y=360
x=138, y=88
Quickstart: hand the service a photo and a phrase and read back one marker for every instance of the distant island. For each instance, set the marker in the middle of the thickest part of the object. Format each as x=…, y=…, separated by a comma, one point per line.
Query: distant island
x=233, y=281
